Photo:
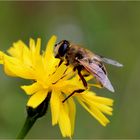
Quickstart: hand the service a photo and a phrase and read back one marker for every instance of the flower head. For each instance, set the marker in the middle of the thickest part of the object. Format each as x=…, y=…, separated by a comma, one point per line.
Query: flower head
x=47, y=76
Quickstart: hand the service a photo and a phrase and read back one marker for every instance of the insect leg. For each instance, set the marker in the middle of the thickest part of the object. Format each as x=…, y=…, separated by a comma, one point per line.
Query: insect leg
x=67, y=63
x=78, y=91
x=60, y=62
x=82, y=77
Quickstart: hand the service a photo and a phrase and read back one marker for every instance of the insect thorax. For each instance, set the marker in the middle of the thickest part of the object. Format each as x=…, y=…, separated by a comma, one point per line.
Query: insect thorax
x=73, y=55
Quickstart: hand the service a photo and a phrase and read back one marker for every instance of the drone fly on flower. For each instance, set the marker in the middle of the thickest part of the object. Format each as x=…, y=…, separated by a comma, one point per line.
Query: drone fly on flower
x=83, y=59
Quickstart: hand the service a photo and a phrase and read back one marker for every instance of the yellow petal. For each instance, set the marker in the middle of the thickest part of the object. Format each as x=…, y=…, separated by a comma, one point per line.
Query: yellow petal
x=96, y=106
x=72, y=113
x=15, y=67
x=50, y=48
x=8, y=71
x=30, y=89
x=48, y=60
x=38, y=46
x=104, y=100
x=99, y=116
x=32, y=45
x=95, y=112
x=92, y=97
x=55, y=106
x=98, y=103
x=35, y=52
x=64, y=120
x=95, y=85
x=21, y=52
x=59, y=73
x=18, y=49
x=104, y=108
x=7, y=66
x=37, y=98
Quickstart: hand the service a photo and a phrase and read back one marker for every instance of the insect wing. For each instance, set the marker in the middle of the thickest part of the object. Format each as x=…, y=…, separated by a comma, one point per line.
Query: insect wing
x=110, y=61
x=99, y=74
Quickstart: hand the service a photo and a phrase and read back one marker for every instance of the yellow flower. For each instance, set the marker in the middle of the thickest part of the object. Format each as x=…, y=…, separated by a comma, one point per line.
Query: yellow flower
x=47, y=76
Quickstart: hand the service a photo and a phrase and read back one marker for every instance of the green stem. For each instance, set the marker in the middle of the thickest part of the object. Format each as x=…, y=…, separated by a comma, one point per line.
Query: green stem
x=32, y=115
x=26, y=127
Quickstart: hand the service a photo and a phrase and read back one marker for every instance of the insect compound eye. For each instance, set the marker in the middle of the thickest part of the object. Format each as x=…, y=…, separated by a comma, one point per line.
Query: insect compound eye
x=63, y=48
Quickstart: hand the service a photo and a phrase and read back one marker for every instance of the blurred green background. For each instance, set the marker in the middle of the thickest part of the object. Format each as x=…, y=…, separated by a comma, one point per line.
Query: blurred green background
x=111, y=29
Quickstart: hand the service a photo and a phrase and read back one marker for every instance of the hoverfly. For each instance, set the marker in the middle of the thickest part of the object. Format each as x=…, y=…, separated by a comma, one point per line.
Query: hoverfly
x=83, y=59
